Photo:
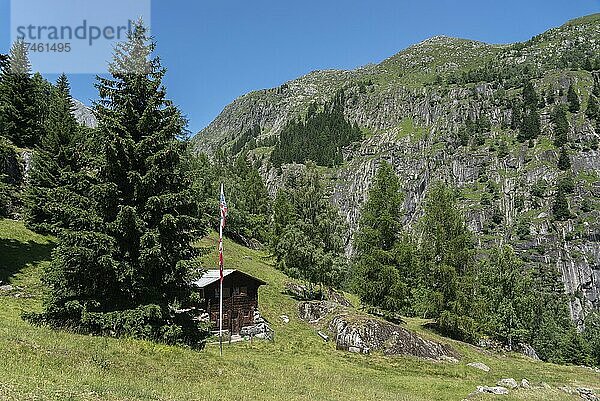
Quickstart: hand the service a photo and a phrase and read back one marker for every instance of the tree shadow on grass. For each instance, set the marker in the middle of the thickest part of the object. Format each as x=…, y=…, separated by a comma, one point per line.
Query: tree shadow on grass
x=15, y=255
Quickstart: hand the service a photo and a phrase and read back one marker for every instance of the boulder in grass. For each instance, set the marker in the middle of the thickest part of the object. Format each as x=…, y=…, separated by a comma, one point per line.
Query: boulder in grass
x=587, y=394
x=479, y=365
x=365, y=334
x=509, y=383
x=498, y=390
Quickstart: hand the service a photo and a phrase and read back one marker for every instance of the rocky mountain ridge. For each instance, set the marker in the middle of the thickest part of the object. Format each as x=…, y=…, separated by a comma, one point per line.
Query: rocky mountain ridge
x=413, y=108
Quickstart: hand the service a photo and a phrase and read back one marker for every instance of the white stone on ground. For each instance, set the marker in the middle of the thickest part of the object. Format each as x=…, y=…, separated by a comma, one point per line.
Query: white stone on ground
x=479, y=365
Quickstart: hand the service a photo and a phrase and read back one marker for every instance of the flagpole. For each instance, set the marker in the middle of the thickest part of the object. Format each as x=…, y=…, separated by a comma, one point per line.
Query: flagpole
x=221, y=285
x=221, y=320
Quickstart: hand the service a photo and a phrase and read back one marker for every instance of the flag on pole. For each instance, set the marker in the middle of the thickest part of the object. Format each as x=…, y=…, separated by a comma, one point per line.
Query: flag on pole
x=223, y=207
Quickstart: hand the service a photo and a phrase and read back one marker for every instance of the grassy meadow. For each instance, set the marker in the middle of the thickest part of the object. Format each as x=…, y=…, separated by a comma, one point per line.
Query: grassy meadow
x=42, y=364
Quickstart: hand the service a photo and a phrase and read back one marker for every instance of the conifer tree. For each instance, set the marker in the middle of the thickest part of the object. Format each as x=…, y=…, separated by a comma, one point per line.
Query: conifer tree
x=515, y=116
x=591, y=334
x=575, y=350
x=592, y=108
x=446, y=257
x=3, y=61
x=58, y=196
x=129, y=274
x=564, y=163
x=508, y=295
x=596, y=87
x=572, y=100
x=529, y=127
x=530, y=97
x=248, y=202
x=9, y=195
x=549, y=320
x=560, y=207
x=561, y=125
x=19, y=112
x=382, y=263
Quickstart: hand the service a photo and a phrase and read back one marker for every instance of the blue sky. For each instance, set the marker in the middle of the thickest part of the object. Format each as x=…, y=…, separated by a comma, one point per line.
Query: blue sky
x=216, y=51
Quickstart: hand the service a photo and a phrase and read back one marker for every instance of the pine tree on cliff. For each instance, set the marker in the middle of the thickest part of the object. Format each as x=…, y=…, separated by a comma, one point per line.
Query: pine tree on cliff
x=560, y=207
x=564, y=163
x=530, y=97
x=127, y=275
x=572, y=100
x=19, y=113
x=561, y=125
x=592, y=108
x=529, y=127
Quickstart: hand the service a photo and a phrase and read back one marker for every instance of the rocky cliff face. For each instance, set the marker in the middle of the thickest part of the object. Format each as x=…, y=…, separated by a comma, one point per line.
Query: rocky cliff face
x=412, y=109
x=84, y=114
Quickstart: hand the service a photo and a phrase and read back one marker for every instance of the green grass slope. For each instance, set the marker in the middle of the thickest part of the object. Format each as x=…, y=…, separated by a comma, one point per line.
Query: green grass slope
x=42, y=364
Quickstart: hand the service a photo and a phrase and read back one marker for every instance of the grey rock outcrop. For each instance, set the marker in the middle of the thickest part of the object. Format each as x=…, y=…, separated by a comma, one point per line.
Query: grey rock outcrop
x=527, y=350
x=368, y=334
x=587, y=394
x=313, y=312
x=364, y=334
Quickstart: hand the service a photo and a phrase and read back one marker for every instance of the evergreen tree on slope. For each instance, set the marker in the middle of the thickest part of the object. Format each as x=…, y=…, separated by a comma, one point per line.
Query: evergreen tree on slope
x=447, y=263
x=19, y=112
x=128, y=276
x=382, y=261
x=58, y=196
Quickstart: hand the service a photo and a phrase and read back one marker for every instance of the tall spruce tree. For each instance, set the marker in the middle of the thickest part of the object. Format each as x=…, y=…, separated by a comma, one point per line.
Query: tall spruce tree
x=57, y=196
x=560, y=207
x=549, y=320
x=564, y=163
x=248, y=202
x=382, y=263
x=3, y=61
x=20, y=119
x=591, y=334
x=128, y=275
x=9, y=184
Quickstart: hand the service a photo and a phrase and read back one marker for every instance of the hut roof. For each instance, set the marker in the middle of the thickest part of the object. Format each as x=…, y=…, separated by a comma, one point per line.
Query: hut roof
x=211, y=276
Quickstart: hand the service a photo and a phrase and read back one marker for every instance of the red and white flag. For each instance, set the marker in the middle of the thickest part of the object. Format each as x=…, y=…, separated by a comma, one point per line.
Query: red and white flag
x=223, y=208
